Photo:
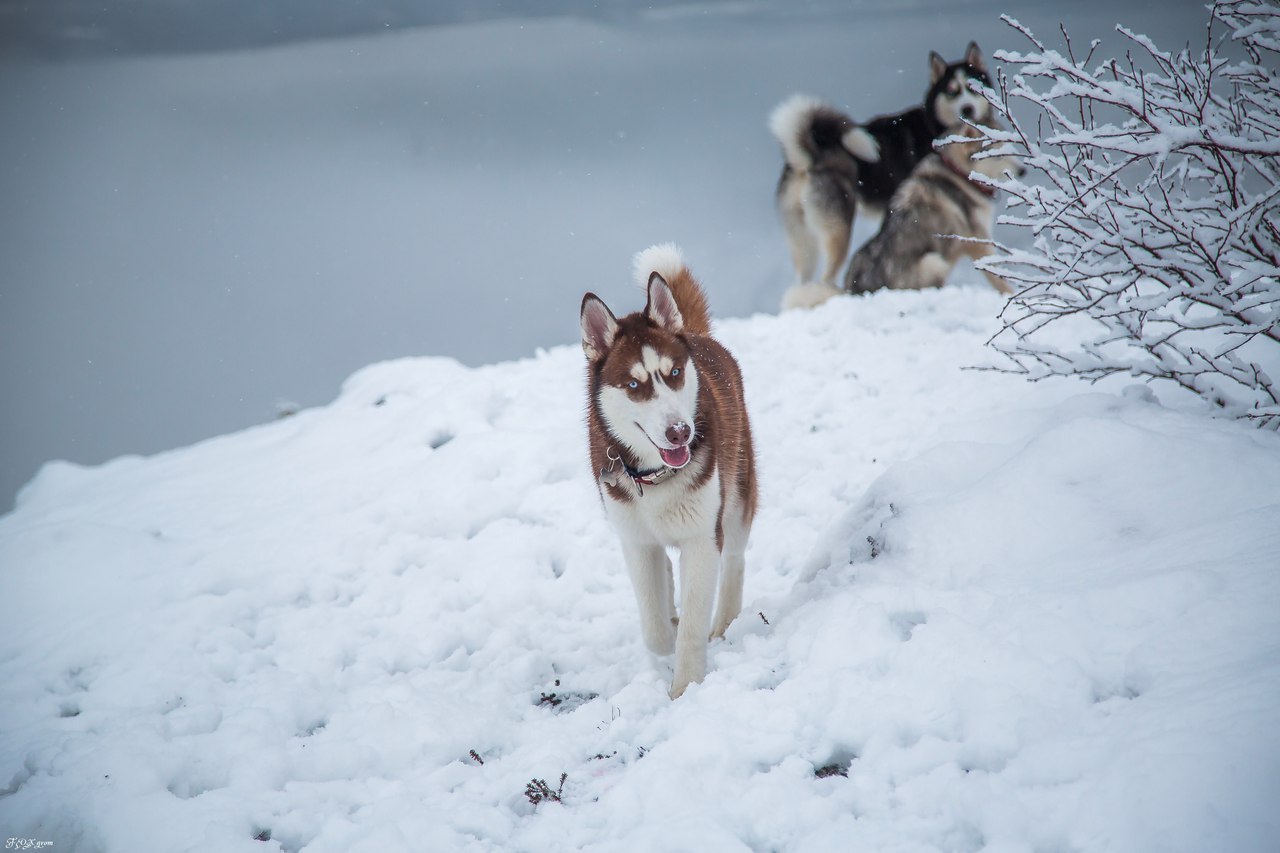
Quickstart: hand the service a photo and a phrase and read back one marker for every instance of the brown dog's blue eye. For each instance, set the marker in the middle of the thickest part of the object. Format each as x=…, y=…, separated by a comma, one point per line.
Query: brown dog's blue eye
x=633, y=384
x=675, y=371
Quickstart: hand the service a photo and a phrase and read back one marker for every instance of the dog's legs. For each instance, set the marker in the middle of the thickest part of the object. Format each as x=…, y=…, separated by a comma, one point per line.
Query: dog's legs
x=830, y=208
x=699, y=561
x=729, y=603
x=650, y=570
x=835, y=244
x=804, y=248
x=733, y=566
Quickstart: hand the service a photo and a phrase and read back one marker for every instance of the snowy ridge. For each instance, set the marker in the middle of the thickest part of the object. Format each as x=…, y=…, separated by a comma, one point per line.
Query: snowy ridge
x=979, y=614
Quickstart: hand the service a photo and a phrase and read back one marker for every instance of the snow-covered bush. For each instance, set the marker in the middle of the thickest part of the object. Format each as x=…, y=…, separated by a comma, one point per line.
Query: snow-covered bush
x=1152, y=193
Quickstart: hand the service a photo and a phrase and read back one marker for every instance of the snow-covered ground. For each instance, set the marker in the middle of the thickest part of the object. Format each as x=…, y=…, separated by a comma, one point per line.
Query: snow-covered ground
x=980, y=614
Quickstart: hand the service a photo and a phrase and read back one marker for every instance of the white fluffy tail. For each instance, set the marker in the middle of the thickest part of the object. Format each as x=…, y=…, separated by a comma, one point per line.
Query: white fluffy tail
x=808, y=295
x=793, y=123
x=789, y=122
x=666, y=259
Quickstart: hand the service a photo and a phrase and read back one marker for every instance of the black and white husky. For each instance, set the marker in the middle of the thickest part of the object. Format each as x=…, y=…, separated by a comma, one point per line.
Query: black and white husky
x=670, y=446
x=835, y=165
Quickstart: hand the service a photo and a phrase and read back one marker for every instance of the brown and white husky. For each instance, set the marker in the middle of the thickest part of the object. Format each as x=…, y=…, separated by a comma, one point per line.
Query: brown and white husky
x=671, y=451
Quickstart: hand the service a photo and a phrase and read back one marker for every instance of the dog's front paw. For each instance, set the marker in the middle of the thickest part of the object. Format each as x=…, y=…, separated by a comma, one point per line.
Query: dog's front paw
x=681, y=683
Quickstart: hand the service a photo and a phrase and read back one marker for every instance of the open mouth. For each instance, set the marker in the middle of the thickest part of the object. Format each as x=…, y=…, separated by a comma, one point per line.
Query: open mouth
x=672, y=457
x=677, y=457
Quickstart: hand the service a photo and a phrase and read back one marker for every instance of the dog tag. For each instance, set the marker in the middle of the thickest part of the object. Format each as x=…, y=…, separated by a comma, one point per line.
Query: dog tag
x=610, y=477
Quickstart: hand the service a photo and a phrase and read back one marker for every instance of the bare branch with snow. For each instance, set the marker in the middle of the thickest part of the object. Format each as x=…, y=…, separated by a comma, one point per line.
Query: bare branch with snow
x=1153, y=198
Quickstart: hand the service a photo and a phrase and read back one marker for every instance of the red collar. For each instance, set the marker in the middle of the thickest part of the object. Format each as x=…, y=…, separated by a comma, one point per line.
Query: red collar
x=988, y=191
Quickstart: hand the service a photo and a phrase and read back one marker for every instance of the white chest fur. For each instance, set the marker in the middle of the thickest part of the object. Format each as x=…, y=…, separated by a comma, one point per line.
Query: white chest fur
x=669, y=513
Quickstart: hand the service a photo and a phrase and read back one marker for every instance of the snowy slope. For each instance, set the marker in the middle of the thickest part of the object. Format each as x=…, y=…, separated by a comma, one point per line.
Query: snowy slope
x=994, y=615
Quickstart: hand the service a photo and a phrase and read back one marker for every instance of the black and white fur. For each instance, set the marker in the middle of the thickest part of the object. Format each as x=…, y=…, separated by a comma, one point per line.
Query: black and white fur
x=834, y=165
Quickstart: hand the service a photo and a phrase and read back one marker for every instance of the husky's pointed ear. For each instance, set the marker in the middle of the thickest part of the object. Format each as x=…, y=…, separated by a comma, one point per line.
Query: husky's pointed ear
x=973, y=56
x=599, y=327
x=937, y=67
x=662, y=310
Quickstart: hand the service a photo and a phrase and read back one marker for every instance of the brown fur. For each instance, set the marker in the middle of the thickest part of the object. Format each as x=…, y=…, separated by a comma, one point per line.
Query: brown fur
x=722, y=429
x=675, y=467
x=692, y=302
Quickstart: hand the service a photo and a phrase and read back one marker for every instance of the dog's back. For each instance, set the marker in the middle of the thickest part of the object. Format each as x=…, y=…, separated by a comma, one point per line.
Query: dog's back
x=903, y=140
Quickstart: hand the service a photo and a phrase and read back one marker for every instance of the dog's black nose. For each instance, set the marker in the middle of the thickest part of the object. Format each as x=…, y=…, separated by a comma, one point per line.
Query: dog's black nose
x=678, y=434
x=966, y=111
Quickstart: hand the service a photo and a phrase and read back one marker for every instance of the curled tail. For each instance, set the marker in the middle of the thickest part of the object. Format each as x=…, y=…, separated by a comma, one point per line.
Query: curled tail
x=807, y=127
x=667, y=260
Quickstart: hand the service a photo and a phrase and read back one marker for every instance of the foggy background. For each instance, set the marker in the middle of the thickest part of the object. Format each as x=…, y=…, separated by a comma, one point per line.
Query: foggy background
x=214, y=210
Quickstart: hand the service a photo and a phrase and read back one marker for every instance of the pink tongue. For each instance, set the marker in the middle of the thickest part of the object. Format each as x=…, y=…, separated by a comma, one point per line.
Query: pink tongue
x=677, y=458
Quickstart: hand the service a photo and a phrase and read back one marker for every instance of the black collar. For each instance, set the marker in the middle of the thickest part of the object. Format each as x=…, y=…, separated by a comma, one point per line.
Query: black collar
x=641, y=478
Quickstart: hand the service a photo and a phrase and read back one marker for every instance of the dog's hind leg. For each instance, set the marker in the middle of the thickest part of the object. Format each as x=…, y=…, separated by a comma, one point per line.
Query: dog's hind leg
x=650, y=571
x=800, y=240
x=831, y=212
x=835, y=246
x=733, y=565
x=699, y=560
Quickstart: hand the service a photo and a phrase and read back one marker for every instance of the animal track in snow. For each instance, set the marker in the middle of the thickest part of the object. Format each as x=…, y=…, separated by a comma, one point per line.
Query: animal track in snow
x=1124, y=691
x=906, y=622
x=312, y=728
x=198, y=779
